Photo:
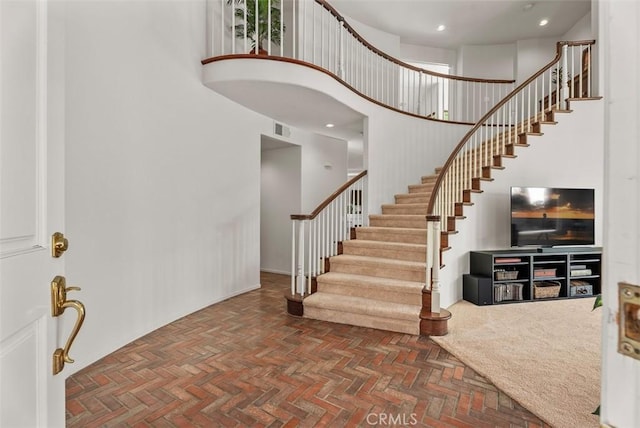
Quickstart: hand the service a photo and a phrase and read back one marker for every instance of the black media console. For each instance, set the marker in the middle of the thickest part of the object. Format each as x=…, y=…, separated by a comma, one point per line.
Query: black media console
x=523, y=275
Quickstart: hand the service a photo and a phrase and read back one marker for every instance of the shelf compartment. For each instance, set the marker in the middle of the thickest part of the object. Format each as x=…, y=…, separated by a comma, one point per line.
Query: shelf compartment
x=546, y=289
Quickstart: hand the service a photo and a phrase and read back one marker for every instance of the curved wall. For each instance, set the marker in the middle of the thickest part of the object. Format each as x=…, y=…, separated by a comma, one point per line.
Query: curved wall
x=398, y=148
x=162, y=174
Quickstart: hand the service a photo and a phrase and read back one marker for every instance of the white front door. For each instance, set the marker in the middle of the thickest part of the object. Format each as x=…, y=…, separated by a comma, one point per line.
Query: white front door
x=31, y=209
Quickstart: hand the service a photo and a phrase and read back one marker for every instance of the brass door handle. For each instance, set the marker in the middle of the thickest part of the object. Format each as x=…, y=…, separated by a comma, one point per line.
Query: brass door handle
x=59, y=303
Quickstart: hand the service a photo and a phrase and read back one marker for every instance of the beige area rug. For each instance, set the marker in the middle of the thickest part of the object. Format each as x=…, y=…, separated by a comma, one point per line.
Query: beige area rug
x=545, y=355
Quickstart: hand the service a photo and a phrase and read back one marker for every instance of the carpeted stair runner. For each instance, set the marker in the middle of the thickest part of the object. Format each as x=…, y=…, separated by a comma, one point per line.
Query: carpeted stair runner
x=378, y=279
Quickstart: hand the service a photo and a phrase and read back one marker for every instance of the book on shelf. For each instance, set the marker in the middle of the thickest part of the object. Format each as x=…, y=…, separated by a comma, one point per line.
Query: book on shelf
x=578, y=267
x=581, y=272
x=544, y=273
x=508, y=291
x=508, y=260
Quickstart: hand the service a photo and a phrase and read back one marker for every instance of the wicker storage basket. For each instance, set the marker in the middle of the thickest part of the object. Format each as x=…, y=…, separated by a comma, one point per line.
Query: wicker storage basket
x=502, y=275
x=546, y=289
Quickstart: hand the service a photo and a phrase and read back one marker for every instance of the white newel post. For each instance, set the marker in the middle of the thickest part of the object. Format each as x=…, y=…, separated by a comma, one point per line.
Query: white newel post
x=300, y=266
x=293, y=257
x=427, y=285
x=435, y=272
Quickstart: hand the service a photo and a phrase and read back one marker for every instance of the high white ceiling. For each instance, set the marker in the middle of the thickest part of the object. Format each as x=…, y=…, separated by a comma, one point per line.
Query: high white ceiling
x=468, y=22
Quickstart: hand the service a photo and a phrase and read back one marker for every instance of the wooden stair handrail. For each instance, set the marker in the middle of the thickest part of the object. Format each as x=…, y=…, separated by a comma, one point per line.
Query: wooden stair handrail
x=333, y=76
x=487, y=116
x=330, y=199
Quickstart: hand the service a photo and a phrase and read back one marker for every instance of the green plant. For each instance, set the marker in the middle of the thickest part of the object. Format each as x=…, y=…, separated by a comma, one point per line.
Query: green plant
x=258, y=36
x=596, y=304
x=556, y=76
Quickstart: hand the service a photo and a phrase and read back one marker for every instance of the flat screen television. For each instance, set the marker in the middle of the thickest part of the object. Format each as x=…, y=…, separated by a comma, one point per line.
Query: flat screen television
x=549, y=217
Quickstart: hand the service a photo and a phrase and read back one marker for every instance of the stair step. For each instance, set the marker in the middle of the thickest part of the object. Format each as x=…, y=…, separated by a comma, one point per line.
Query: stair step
x=414, y=221
x=363, y=312
x=429, y=179
x=415, y=209
x=392, y=234
x=413, y=198
x=390, y=250
x=379, y=267
x=421, y=188
x=384, y=289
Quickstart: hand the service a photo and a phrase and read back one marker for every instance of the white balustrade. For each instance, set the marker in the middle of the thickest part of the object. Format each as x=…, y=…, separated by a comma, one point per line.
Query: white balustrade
x=311, y=31
x=497, y=132
x=315, y=237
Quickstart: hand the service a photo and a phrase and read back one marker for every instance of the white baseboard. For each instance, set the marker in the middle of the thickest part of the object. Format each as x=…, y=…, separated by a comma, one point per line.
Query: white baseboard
x=275, y=271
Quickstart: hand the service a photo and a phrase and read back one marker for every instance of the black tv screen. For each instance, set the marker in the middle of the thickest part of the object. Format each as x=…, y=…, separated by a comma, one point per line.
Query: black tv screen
x=547, y=217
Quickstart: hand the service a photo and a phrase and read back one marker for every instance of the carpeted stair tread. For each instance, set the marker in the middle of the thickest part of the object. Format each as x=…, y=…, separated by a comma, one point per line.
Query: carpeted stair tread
x=393, y=234
x=391, y=250
x=363, y=306
x=420, y=188
x=379, y=267
x=361, y=320
x=361, y=281
x=412, y=198
x=416, y=221
x=396, y=209
x=366, y=261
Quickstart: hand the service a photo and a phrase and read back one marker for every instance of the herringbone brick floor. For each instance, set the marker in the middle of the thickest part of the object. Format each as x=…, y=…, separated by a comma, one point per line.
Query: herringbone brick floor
x=245, y=363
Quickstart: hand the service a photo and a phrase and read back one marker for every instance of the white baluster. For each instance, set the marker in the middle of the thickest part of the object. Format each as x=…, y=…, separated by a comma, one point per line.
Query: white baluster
x=300, y=268
x=293, y=257
x=427, y=285
x=244, y=23
x=341, y=72
x=222, y=29
x=565, y=77
x=435, y=271
x=294, y=18
x=309, y=261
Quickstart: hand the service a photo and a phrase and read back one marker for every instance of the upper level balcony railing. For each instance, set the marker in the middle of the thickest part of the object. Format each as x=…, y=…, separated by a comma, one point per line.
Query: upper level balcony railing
x=313, y=32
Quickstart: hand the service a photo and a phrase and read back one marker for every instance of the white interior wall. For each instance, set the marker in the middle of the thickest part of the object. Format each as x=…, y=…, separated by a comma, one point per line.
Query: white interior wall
x=401, y=149
x=324, y=167
x=581, y=30
x=280, y=196
x=488, y=61
x=295, y=180
x=532, y=55
x=162, y=174
x=409, y=53
x=355, y=155
x=571, y=153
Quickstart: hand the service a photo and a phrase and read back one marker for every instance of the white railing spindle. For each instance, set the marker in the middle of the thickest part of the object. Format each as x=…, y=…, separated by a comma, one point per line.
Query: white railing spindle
x=322, y=37
x=328, y=225
x=513, y=115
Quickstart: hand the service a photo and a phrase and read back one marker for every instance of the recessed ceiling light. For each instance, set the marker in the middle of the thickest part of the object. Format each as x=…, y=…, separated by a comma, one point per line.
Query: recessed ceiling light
x=329, y=125
x=441, y=27
x=527, y=7
x=543, y=22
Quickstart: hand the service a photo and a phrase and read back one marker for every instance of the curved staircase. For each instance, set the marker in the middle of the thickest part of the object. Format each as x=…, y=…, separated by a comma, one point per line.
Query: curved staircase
x=378, y=279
